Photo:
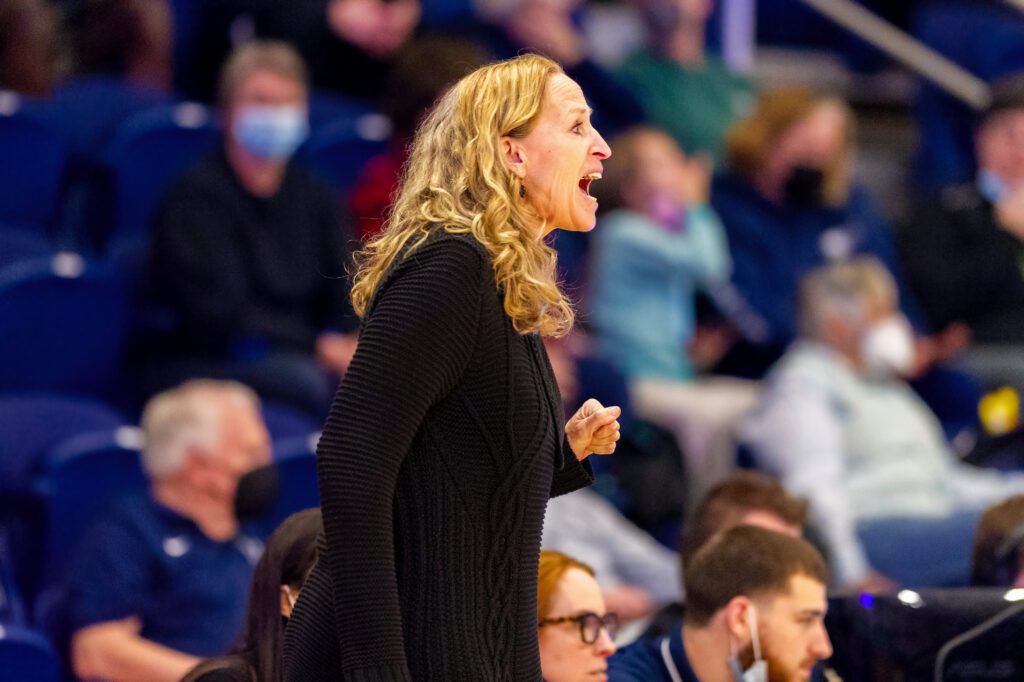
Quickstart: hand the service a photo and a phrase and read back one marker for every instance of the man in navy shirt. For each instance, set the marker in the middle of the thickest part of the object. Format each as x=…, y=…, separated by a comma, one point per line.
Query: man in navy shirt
x=755, y=608
x=161, y=580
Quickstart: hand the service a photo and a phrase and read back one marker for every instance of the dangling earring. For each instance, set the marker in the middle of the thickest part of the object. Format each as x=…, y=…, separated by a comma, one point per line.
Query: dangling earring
x=522, y=191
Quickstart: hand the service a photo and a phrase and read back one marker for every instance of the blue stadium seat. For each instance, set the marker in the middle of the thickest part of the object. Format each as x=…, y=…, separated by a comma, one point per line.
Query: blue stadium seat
x=64, y=322
x=18, y=244
x=296, y=466
x=32, y=166
x=285, y=422
x=85, y=474
x=26, y=656
x=148, y=152
x=328, y=108
x=338, y=151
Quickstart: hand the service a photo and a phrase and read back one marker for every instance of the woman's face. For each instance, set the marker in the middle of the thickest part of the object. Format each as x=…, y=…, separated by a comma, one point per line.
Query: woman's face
x=815, y=141
x=559, y=158
x=660, y=172
x=563, y=655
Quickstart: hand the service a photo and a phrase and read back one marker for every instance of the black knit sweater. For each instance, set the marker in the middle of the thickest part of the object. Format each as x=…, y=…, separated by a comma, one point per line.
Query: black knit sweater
x=436, y=463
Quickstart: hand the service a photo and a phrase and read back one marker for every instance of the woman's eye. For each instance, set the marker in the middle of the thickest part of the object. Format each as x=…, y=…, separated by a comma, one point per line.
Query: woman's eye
x=578, y=128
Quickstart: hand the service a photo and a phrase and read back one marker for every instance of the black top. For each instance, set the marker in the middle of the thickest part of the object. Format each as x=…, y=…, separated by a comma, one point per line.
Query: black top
x=964, y=267
x=236, y=271
x=436, y=464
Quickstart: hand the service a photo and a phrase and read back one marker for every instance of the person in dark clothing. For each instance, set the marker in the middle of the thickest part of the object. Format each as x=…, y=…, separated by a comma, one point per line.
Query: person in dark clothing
x=445, y=441
x=249, y=251
x=963, y=249
x=276, y=583
x=755, y=610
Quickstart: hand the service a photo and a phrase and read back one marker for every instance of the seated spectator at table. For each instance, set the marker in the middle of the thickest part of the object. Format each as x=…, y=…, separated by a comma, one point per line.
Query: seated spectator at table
x=248, y=252
x=160, y=579
x=423, y=70
x=656, y=244
x=755, y=609
x=636, y=574
x=963, y=248
x=549, y=27
x=789, y=205
x=839, y=424
x=688, y=92
x=29, y=47
x=576, y=632
x=350, y=45
x=277, y=582
x=998, y=557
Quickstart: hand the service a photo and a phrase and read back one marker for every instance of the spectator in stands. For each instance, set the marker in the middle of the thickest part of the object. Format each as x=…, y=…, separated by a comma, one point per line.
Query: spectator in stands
x=839, y=424
x=423, y=70
x=248, y=251
x=755, y=610
x=998, y=559
x=788, y=206
x=132, y=39
x=350, y=45
x=548, y=27
x=279, y=576
x=160, y=579
x=28, y=46
x=685, y=90
x=636, y=574
x=963, y=249
x=657, y=245
x=576, y=631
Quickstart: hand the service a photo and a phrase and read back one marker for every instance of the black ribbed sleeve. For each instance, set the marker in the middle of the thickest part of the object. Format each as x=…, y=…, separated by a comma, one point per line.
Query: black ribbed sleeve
x=435, y=464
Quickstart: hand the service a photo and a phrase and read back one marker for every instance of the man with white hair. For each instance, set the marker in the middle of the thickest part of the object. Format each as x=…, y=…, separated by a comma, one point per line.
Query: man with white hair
x=160, y=580
x=839, y=425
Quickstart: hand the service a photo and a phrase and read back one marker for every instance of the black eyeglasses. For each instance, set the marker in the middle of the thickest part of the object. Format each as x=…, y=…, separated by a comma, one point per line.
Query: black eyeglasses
x=590, y=624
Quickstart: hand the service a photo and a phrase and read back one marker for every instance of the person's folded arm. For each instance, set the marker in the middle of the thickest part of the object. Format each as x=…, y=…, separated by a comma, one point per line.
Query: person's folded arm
x=114, y=651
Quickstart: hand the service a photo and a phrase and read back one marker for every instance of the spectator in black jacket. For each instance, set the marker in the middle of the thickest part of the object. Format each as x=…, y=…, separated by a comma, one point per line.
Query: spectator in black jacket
x=248, y=251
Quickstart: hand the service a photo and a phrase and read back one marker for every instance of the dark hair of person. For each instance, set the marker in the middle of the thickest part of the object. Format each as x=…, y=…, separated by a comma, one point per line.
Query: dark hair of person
x=730, y=500
x=422, y=72
x=746, y=561
x=998, y=554
x=290, y=555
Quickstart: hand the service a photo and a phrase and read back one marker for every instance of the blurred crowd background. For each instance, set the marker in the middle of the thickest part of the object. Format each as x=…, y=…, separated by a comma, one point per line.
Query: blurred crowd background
x=808, y=262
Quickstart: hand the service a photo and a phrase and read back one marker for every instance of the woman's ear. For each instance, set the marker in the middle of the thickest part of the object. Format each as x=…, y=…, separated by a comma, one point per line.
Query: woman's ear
x=514, y=156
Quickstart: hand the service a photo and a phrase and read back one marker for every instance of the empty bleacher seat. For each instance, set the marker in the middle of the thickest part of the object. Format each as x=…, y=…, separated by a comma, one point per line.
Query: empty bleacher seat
x=338, y=151
x=64, y=323
x=296, y=466
x=287, y=422
x=32, y=166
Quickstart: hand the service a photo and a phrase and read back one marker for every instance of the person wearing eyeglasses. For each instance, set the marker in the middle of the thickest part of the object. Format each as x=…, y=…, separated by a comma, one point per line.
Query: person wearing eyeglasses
x=576, y=633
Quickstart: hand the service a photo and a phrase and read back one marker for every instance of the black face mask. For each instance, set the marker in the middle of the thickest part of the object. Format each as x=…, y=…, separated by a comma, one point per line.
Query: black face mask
x=257, y=494
x=805, y=187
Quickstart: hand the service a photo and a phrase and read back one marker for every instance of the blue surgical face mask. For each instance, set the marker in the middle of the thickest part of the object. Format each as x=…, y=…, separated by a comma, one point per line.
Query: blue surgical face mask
x=991, y=186
x=271, y=131
x=758, y=672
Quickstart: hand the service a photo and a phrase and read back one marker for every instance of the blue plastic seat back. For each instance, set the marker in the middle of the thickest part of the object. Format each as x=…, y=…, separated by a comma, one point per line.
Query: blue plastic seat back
x=20, y=243
x=85, y=475
x=32, y=168
x=296, y=466
x=338, y=152
x=285, y=422
x=26, y=656
x=64, y=324
x=32, y=424
x=149, y=151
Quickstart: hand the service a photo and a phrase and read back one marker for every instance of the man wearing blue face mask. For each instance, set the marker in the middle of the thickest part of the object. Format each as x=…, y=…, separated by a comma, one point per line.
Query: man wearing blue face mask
x=248, y=254
x=963, y=251
x=838, y=424
x=755, y=611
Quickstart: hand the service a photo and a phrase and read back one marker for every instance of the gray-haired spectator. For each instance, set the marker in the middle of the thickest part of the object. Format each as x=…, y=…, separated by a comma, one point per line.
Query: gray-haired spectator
x=160, y=579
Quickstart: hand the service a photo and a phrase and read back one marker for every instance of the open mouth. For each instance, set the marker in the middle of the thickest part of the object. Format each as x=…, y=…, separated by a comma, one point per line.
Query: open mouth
x=585, y=181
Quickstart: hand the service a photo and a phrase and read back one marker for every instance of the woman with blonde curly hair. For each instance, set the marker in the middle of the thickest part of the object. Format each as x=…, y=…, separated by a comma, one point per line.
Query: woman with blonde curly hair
x=444, y=442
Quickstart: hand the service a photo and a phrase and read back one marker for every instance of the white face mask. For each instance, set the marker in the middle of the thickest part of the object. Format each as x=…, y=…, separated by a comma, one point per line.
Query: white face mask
x=758, y=672
x=887, y=348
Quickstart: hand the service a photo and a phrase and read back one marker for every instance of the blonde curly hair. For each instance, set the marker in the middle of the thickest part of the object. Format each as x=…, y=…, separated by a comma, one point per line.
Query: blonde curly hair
x=456, y=179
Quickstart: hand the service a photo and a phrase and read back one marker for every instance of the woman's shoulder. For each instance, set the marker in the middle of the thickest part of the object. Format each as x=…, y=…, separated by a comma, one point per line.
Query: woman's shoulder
x=446, y=250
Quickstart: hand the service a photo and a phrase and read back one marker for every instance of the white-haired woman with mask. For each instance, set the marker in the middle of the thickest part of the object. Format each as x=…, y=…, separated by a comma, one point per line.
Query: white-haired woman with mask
x=446, y=439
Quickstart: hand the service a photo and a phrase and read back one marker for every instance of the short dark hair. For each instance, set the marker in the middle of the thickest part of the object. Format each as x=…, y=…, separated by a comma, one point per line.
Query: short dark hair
x=746, y=561
x=730, y=500
x=998, y=554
